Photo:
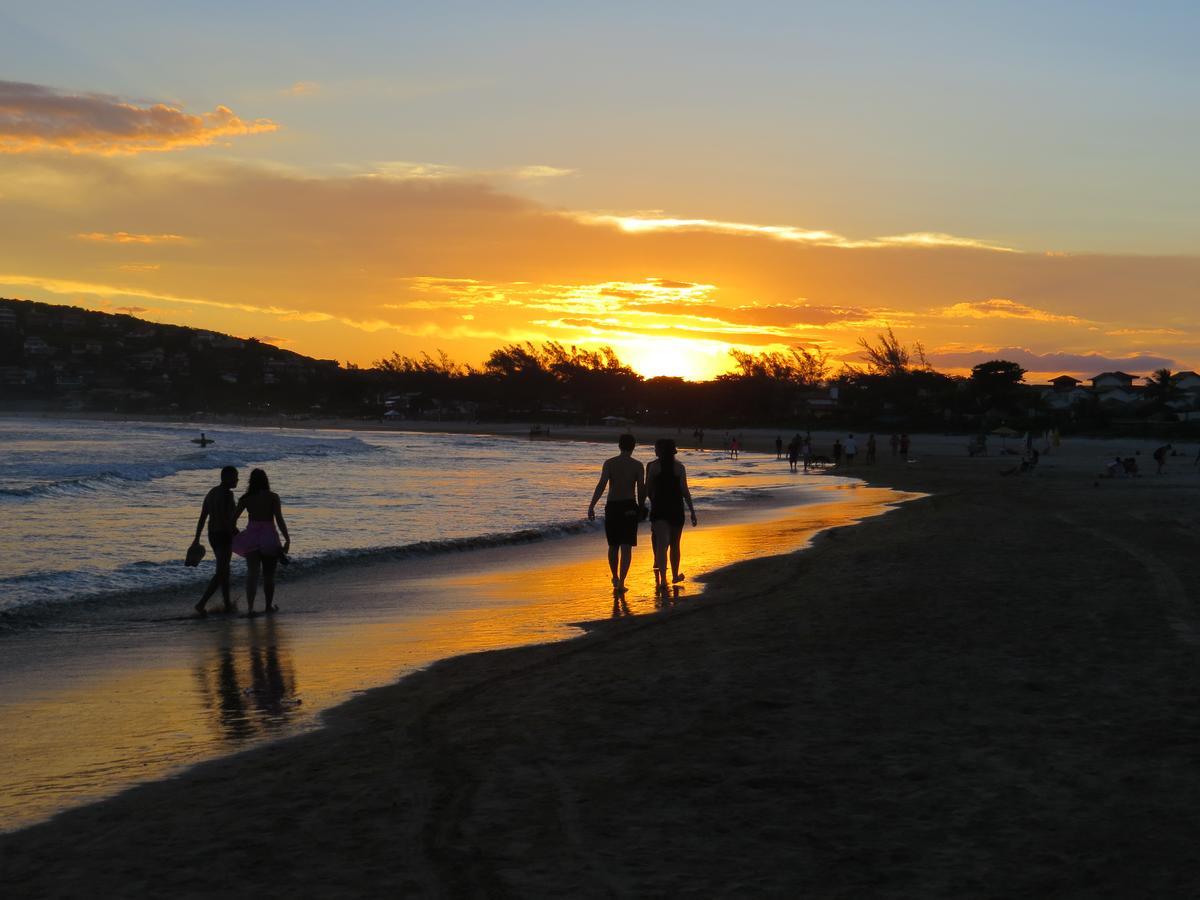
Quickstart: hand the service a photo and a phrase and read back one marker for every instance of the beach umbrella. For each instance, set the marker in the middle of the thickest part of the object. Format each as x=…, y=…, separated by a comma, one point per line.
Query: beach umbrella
x=1005, y=433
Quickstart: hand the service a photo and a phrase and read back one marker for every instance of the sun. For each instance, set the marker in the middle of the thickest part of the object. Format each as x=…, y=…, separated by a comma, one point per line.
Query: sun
x=684, y=358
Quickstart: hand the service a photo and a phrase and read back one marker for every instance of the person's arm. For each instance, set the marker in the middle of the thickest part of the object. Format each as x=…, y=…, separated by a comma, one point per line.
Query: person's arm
x=687, y=495
x=237, y=512
x=641, y=487
x=600, y=486
x=278, y=510
x=203, y=519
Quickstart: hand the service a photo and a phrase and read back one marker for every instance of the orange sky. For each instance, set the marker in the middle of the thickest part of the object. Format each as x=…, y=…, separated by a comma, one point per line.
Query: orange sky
x=142, y=207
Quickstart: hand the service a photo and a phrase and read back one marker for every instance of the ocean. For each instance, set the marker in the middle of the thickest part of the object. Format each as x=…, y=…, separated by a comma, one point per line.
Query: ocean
x=90, y=510
x=407, y=548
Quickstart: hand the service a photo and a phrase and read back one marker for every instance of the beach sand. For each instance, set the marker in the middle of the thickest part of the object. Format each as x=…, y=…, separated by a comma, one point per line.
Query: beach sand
x=988, y=692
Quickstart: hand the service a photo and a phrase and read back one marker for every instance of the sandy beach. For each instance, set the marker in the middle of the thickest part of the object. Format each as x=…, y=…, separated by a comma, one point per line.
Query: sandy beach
x=987, y=692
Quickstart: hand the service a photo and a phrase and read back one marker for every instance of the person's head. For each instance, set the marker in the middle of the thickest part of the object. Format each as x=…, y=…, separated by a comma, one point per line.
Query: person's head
x=665, y=450
x=258, y=482
x=229, y=477
x=626, y=442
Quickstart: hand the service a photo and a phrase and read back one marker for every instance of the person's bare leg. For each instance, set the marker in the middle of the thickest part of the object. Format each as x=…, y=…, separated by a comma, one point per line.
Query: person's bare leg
x=676, y=552
x=253, y=563
x=213, y=583
x=224, y=561
x=613, y=553
x=660, y=535
x=626, y=559
x=268, y=564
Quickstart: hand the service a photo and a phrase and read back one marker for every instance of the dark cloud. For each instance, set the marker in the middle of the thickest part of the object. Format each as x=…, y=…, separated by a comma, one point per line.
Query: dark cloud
x=1054, y=362
x=34, y=117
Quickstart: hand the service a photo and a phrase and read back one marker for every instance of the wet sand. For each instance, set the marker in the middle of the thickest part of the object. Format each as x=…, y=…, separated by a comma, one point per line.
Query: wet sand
x=988, y=692
x=155, y=689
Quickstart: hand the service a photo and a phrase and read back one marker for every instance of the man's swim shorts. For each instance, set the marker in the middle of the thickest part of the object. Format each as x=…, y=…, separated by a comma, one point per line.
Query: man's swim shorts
x=621, y=522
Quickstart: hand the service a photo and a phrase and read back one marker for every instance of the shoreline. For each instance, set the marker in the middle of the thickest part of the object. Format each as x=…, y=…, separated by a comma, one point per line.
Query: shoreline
x=823, y=721
x=505, y=594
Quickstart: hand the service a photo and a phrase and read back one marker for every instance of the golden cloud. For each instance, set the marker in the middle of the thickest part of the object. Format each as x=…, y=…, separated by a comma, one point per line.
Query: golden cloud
x=36, y=118
x=125, y=237
x=645, y=223
x=302, y=89
x=1001, y=308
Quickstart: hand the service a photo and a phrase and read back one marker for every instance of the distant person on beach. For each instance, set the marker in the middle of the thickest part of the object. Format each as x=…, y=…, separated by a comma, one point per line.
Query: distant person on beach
x=217, y=510
x=871, y=448
x=779, y=446
x=259, y=543
x=666, y=483
x=735, y=447
x=837, y=451
x=851, y=449
x=794, y=453
x=895, y=442
x=904, y=445
x=1160, y=457
x=625, y=479
x=806, y=452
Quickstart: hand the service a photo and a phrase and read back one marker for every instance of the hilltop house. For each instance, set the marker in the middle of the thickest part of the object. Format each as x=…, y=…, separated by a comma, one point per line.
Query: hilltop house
x=1064, y=392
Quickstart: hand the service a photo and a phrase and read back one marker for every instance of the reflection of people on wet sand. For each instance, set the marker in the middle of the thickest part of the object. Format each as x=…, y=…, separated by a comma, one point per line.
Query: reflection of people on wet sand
x=625, y=479
x=249, y=693
x=666, y=483
x=259, y=543
x=218, y=511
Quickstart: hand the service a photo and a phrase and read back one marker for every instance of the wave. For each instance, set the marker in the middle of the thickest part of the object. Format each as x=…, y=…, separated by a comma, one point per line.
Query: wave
x=39, y=598
x=121, y=476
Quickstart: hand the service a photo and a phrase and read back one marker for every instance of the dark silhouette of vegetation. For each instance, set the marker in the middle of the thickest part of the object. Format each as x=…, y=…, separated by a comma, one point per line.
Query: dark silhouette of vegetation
x=62, y=358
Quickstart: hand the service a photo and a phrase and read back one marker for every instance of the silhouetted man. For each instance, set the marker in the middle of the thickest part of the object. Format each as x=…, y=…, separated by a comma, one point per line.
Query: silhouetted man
x=625, y=479
x=218, y=510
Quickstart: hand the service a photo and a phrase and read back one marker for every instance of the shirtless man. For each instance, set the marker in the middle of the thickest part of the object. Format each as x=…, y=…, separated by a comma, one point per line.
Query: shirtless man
x=625, y=479
x=218, y=509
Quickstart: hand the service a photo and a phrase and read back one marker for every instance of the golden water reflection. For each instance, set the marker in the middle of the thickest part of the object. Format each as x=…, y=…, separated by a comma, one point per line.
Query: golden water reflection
x=82, y=725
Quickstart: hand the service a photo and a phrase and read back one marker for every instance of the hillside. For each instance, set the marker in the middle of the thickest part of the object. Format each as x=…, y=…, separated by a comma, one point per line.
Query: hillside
x=70, y=359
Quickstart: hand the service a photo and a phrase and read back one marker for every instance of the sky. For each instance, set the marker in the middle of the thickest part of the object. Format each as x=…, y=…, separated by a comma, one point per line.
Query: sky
x=672, y=179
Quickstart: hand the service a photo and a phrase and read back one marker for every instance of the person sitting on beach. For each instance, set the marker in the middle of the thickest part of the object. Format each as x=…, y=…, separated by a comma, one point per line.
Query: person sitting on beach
x=218, y=510
x=666, y=483
x=1028, y=463
x=259, y=543
x=625, y=478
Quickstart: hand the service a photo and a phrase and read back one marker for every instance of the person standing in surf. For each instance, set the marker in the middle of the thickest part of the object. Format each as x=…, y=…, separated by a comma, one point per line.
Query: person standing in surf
x=259, y=543
x=625, y=478
x=218, y=511
x=666, y=483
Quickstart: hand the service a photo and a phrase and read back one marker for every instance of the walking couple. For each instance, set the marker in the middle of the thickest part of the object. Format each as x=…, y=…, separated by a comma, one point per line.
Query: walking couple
x=664, y=482
x=259, y=543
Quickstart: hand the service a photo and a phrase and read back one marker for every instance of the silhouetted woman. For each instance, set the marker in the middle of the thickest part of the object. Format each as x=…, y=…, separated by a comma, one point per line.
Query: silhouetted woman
x=259, y=542
x=666, y=483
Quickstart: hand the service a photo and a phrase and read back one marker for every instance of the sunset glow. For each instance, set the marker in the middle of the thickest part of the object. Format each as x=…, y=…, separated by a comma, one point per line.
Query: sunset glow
x=351, y=208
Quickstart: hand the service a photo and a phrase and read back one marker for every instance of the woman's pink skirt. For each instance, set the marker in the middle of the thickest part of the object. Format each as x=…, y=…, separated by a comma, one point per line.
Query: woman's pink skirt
x=257, y=537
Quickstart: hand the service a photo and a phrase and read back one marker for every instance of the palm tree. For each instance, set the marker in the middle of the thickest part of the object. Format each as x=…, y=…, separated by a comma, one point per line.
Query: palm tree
x=1160, y=388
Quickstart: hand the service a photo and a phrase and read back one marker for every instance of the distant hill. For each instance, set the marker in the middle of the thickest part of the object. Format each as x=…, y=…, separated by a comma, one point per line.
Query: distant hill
x=70, y=359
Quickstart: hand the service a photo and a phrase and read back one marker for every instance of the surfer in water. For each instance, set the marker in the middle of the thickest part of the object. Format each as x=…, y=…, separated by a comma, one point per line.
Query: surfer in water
x=203, y=440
